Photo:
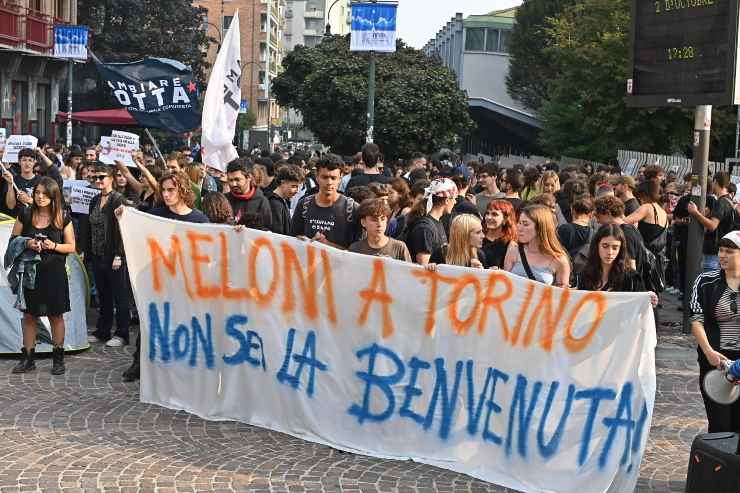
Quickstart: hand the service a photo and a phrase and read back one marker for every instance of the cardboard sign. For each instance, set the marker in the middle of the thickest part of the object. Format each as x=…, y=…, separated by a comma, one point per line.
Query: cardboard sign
x=120, y=146
x=15, y=144
x=78, y=194
x=525, y=385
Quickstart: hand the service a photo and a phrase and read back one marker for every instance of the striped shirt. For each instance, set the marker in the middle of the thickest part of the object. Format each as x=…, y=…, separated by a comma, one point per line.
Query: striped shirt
x=728, y=321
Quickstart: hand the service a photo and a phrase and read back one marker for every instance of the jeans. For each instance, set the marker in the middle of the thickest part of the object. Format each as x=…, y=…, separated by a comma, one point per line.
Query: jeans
x=709, y=263
x=112, y=292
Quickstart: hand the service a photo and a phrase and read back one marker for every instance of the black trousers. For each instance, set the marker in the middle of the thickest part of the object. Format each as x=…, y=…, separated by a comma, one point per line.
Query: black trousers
x=722, y=418
x=112, y=288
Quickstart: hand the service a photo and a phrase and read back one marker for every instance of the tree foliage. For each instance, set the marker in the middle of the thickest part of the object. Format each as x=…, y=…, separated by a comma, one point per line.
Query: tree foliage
x=531, y=66
x=124, y=30
x=418, y=106
x=586, y=115
x=129, y=30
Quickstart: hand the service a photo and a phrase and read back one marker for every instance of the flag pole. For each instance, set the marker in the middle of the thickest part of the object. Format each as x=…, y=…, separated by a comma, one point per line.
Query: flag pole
x=156, y=147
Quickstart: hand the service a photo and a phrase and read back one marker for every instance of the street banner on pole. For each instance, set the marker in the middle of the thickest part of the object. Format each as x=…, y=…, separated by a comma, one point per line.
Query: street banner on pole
x=223, y=101
x=157, y=92
x=120, y=146
x=15, y=144
x=70, y=42
x=373, y=27
x=478, y=371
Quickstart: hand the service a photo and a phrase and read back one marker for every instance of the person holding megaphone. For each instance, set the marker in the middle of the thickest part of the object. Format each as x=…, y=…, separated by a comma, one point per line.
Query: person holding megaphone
x=715, y=322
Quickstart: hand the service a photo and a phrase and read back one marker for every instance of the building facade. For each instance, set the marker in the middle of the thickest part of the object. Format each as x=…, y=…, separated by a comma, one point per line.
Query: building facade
x=31, y=78
x=262, y=27
x=476, y=49
x=306, y=21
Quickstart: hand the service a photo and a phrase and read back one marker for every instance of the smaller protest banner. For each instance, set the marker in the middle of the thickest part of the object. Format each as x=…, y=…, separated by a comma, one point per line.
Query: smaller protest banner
x=119, y=147
x=78, y=194
x=15, y=144
x=3, y=135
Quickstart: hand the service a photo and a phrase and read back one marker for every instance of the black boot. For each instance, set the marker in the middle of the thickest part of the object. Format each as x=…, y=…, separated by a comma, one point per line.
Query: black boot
x=26, y=363
x=132, y=373
x=57, y=365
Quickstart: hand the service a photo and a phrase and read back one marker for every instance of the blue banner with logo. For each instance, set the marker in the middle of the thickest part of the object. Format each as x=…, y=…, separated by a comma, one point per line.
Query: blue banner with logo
x=70, y=42
x=157, y=92
x=374, y=27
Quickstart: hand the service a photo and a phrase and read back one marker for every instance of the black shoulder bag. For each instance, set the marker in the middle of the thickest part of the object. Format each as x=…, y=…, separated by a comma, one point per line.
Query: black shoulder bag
x=525, y=263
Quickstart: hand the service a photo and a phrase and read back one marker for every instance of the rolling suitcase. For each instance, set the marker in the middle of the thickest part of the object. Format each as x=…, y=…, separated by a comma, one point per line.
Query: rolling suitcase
x=714, y=464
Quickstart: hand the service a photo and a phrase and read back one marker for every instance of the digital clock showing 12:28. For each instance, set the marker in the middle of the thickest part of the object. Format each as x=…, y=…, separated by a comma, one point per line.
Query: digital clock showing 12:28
x=681, y=53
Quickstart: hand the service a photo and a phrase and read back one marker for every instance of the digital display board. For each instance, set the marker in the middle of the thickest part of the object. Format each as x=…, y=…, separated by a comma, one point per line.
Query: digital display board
x=683, y=53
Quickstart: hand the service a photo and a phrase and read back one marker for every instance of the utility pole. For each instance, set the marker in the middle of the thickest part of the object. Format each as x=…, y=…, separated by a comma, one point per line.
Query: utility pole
x=70, y=78
x=702, y=127
x=371, y=99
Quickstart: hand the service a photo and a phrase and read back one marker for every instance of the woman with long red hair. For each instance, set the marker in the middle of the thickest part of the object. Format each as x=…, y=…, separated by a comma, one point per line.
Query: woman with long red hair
x=499, y=226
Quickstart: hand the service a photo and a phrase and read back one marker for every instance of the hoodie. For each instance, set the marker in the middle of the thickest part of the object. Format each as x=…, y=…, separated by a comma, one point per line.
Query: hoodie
x=254, y=212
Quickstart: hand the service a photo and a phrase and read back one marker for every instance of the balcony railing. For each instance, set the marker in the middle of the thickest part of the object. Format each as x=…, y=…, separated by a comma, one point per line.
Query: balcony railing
x=24, y=28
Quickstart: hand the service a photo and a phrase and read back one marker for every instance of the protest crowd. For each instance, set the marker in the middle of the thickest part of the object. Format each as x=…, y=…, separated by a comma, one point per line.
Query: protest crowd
x=578, y=227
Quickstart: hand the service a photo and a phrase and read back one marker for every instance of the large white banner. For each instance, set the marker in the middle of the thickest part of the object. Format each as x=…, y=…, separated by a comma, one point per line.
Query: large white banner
x=481, y=372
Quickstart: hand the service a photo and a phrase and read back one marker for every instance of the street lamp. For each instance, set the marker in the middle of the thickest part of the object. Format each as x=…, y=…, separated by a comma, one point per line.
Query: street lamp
x=220, y=36
x=328, y=18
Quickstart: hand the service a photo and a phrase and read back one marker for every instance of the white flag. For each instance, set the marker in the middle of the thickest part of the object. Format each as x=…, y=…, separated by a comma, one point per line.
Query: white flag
x=223, y=98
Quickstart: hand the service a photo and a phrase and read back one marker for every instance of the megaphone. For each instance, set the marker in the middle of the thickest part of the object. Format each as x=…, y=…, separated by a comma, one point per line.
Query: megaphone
x=720, y=384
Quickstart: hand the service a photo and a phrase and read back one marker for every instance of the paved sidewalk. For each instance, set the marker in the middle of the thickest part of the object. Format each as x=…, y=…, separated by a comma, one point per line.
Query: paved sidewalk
x=87, y=431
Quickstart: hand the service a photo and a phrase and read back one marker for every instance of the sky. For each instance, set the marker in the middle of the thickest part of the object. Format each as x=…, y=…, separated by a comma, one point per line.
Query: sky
x=420, y=20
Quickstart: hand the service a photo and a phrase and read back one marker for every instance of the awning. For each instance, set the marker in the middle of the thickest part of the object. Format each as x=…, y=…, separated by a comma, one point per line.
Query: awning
x=100, y=117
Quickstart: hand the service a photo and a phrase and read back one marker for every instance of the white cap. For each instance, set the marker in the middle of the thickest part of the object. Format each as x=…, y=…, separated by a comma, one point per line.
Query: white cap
x=733, y=236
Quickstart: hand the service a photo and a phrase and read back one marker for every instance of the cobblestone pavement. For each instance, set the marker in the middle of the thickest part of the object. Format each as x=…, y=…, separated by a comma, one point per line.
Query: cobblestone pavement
x=87, y=431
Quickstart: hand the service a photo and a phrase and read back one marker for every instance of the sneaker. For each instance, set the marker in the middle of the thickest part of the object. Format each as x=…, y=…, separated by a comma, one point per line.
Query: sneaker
x=93, y=339
x=115, y=341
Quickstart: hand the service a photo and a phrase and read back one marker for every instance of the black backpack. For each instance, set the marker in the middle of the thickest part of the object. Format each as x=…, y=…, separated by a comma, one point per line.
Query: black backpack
x=651, y=271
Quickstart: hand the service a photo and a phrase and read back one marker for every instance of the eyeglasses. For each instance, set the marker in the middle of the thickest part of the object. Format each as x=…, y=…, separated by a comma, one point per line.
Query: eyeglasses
x=733, y=303
x=100, y=177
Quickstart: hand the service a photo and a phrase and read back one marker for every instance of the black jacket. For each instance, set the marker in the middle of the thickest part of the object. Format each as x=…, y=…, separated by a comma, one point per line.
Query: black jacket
x=708, y=289
x=254, y=212
x=280, y=207
x=113, y=241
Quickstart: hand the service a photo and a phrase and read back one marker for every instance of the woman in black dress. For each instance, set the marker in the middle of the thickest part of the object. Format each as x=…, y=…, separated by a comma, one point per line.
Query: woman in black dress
x=50, y=234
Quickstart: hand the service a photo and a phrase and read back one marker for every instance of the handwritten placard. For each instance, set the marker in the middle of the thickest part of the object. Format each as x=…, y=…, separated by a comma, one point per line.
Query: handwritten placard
x=517, y=383
x=78, y=194
x=120, y=146
x=15, y=144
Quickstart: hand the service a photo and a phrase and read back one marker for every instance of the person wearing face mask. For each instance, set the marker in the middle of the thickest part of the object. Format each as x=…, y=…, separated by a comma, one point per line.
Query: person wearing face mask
x=499, y=226
x=425, y=231
x=465, y=246
x=539, y=255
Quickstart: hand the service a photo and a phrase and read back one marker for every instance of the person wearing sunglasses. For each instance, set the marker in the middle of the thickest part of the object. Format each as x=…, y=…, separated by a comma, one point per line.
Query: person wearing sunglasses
x=715, y=323
x=106, y=251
